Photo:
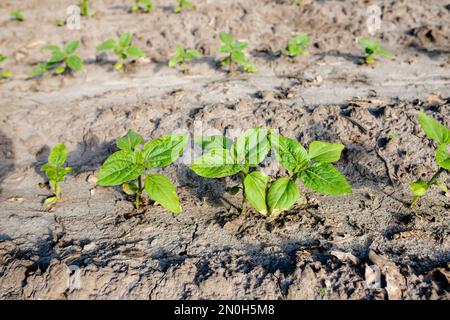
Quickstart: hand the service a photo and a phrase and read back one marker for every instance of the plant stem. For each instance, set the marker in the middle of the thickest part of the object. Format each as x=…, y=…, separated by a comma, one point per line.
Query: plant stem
x=244, y=204
x=429, y=183
x=138, y=193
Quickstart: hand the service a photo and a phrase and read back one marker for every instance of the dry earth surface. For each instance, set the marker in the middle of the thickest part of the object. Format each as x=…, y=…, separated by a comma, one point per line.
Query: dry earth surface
x=93, y=245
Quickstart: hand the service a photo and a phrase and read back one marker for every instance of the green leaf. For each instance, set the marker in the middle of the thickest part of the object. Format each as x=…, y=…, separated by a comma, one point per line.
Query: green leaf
x=58, y=155
x=136, y=52
x=217, y=163
x=120, y=167
x=3, y=58
x=57, y=56
x=60, y=70
x=419, y=188
x=118, y=65
x=51, y=200
x=161, y=190
x=325, y=179
x=129, y=141
x=282, y=195
x=255, y=186
x=226, y=38
x=443, y=156
x=324, y=151
x=39, y=70
x=213, y=142
x=289, y=153
x=17, y=14
x=75, y=63
x=129, y=188
x=233, y=190
x=5, y=74
x=55, y=173
x=192, y=53
x=163, y=151
x=434, y=129
x=252, y=147
x=442, y=186
x=71, y=47
x=125, y=39
x=107, y=45
x=239, y=57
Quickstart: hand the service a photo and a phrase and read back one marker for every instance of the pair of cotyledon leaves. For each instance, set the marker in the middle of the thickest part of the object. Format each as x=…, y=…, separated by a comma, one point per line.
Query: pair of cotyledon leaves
x=130, y=162
x=312, y=167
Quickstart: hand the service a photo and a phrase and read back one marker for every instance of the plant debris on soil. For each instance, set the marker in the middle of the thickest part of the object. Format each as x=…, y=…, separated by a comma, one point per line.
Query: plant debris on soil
x=94, y=245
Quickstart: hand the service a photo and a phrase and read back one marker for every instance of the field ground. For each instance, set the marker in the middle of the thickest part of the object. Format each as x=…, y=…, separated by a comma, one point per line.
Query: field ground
x=324, y=248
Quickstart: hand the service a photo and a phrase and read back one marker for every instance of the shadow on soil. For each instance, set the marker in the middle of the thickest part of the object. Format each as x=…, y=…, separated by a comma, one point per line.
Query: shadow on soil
x=6, y=157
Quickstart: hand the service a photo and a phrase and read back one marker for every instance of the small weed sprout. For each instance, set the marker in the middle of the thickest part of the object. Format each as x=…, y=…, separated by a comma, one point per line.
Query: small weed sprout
x=17, y=15
x=437, y=132
x=183, y=4
x=56, y=171
x=3, y=73
x=61, y=60
x=373, y=48
x=85, y=9
x=298, y=45
x=143, y=5
x=182, y=56
x=123, y=49
x=235, y=53
x=128, y=166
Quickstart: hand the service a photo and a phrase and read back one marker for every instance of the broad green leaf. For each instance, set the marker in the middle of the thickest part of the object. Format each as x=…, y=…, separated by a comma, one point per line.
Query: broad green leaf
x=324, y=151
x=255, y=186
x=434, y=129
x=71, y=47
x=161, y=190
x=443, y=156
x=129, y=188
x=107, y=45
x=249, y=68
x=163, y=151
x=217, y=163
x=282, y=195
x=213, y=142
x=125, y=39
x=325, y=179
x=39, y=70
x=289, y=153
x=58, y=155
x=51, y=200
x=239, y=57
x=60, y=70
x=136, y=52
x=419, y=188
x=75, y=63
x=3, y=58
x=57, y=56
x=120, y=167
x=129, y=141
x=252, y=147
x=226, y=37
x=192, y=53
x=442, y=186
x=5, y=74
x=56, y=174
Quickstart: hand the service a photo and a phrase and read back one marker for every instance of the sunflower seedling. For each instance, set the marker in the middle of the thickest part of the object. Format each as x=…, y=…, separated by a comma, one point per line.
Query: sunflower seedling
x=182, y=56
x=4, y=74
x=298, y=45
x=373, y=48
x=17, y=15
x=440, y=134
x=61, y=60
x=183, y=4
x=223, y=158
x=235, y=53
x=128, y=167
x=143, y=5
x=123, y=49
x=85, y=9
x=56, y=171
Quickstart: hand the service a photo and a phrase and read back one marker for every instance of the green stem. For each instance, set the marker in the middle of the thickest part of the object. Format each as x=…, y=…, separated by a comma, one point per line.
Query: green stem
x=138, y=193
x=244, y=204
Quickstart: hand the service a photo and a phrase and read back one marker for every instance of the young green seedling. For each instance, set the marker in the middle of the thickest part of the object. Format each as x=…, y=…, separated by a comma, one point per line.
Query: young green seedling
x=61, y=60
x=296, y=2
x=183, y=4
x=143, y=5
x=373, y=48
x=298, y=45
x=235, y=53
x=4, y=74
x=123, y=49
x=128, y=167
x=182, y=56
x=85, y=11
x=17, y=15
x=222, y=158
x=437, y=132
x=56, y=171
